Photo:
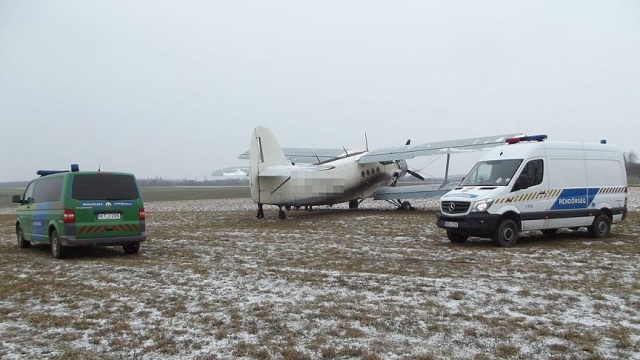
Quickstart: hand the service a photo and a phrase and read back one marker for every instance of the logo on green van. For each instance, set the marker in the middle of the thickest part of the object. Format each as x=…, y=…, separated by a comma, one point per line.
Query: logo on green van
x=90, y=204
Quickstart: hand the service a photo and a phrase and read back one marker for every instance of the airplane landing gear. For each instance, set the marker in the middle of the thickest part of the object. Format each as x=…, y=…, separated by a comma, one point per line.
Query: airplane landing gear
x=260, y=214
x=405, y=205
x=353, y=204
x=281, y=214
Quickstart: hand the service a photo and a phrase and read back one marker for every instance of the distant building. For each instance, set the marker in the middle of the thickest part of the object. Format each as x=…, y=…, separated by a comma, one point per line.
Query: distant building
x=231, y=173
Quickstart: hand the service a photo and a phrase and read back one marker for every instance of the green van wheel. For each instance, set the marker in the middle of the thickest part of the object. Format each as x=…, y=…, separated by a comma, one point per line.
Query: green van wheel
x=131, y=248
x=21, y=241
x=57, y=250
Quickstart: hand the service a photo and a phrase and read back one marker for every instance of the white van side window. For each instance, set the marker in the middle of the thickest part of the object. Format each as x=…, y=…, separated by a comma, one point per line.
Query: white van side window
x=532, y=174
x=534, y=171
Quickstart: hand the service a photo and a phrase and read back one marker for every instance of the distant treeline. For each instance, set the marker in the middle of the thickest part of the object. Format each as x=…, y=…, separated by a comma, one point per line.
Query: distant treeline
x=632, y=164
x=631, y=160
x=14, y=185
x=158, y=181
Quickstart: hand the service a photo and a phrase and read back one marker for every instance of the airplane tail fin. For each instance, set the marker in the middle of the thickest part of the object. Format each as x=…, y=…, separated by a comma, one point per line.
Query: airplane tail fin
x=265, y=151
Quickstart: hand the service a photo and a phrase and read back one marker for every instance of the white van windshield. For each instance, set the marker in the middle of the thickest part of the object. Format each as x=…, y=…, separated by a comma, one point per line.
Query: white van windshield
x=492, y=173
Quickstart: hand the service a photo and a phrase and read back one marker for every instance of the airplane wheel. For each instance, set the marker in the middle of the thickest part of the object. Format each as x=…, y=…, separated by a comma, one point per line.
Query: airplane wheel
x=281, y=214
x=353, y=204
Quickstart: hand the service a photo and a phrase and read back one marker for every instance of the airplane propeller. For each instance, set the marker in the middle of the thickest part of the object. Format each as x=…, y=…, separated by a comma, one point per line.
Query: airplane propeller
x=415, y=174
x=404, y=168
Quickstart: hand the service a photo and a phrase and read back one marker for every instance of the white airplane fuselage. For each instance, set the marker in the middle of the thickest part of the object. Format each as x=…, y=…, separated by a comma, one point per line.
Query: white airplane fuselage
x=334, y=182
x=275, y=181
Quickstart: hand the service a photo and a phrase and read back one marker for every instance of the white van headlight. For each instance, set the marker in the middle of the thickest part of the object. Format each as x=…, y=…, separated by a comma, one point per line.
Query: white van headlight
x=483, y=205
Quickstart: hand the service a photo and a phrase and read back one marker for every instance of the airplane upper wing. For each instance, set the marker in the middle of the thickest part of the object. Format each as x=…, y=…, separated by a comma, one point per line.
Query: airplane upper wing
x=305, y=155
x=412, y=191
x=435, y=148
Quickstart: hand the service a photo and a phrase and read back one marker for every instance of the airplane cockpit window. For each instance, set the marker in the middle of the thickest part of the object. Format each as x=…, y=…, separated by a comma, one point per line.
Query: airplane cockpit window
x=492, y=173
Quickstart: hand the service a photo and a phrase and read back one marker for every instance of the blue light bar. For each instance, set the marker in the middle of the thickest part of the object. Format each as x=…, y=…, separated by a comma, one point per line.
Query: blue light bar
x=534, y=138
x=74, y=168
x=49, y=172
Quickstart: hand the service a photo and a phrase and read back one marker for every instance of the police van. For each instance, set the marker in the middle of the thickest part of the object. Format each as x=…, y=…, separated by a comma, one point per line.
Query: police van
x=81, y=208
x=532, y=184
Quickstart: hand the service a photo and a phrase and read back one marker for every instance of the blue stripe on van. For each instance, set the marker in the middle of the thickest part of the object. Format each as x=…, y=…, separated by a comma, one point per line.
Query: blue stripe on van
x=575, y=198
x=39, y=221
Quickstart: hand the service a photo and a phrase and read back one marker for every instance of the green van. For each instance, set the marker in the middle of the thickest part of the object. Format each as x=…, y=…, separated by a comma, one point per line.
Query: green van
x=81, y=208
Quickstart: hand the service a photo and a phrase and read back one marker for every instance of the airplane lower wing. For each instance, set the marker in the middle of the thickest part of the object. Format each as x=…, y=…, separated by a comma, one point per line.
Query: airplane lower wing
x=412, y=191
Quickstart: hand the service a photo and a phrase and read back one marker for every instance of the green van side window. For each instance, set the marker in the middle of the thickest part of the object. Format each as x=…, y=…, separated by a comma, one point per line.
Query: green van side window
x=47, y=190
x=28, y=194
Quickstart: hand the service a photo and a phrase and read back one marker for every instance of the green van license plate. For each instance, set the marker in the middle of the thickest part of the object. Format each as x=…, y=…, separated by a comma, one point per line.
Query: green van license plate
x=109, y=216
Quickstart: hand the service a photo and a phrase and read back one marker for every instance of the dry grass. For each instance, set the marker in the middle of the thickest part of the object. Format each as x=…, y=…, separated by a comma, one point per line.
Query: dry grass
x=370, y=284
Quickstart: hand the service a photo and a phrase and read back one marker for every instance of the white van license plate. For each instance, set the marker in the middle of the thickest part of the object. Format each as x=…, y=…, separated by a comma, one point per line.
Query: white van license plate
x=110, y=216
x=452, y=224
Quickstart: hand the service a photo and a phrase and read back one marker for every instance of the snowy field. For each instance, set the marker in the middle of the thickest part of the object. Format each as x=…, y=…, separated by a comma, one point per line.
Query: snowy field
x=213, y=282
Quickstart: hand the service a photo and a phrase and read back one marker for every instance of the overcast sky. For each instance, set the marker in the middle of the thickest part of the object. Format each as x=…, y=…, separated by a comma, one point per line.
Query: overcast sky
x=173, y=88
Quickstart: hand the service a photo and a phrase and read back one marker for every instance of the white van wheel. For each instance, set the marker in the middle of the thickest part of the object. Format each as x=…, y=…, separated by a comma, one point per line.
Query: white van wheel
x=21, y=241
x=601, y=226
x=506, y=235
x=57, y=250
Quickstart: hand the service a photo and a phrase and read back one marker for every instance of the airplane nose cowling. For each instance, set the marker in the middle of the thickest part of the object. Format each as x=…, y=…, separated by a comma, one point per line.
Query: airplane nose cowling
x=402, y=168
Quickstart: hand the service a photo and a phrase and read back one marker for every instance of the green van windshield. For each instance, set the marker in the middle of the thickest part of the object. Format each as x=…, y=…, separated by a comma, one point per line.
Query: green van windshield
x=104, y=187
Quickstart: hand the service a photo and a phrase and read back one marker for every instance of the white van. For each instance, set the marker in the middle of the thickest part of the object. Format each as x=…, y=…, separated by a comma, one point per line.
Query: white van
x=532, y=184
